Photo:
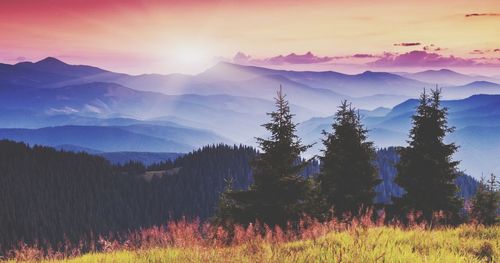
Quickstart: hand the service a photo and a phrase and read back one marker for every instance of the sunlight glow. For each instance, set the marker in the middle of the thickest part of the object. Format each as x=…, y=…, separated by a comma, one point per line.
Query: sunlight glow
x=191, y=58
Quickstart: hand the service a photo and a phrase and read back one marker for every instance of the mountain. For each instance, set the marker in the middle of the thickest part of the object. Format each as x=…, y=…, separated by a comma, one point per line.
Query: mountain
x=364, y=84
x=477, y=122
x=136, y=137
x=341, y=86
x=223, y=78
x=446, y=77
x=48, y=72
x=377, y=112
x=195, y=137
x=476, y=87
x=479, y=149
x=102, y=100
x=169, y=137
x=481, y=110
x=227, y=102
x=55, y=66
x=302, y=87
x=23, y=118
x=100, y=138
x=476, y=119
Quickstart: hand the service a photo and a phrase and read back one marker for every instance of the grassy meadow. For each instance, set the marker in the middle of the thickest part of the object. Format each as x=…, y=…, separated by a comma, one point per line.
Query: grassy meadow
x=466, y=243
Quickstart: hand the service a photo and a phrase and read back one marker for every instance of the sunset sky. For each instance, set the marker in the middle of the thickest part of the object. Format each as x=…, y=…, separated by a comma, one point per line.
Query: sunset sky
x=189, y=36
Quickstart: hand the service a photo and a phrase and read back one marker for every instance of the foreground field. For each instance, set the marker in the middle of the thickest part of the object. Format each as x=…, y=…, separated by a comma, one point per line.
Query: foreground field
x=373, y=244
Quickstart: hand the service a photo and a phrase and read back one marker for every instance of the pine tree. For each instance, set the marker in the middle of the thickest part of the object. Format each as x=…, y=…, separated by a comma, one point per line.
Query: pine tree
x=426, y=170
x=224, y=211
x=486, y=202
x=348, y=177
x=278, y=192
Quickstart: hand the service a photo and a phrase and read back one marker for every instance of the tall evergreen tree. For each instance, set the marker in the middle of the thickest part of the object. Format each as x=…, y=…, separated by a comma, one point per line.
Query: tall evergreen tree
x=348, y=177
x=426, y=170
x=278, y=192
x=486, y=202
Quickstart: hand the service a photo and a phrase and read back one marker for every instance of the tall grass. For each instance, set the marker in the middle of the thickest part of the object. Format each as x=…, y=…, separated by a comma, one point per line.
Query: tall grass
x=361, y=239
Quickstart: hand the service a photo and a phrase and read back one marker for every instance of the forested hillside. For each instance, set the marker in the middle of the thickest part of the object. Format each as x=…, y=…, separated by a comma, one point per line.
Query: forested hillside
x=50, y=195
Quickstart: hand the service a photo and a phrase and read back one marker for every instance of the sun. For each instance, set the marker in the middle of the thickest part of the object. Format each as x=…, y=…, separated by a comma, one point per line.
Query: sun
x=190, y=55
x=191, y=58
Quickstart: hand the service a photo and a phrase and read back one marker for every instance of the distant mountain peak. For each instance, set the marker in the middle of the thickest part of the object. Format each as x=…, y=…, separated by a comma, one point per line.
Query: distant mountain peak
x=374, y=74
x=439, y=71
x=482, y=83
x=443, y=70
x=50, y=61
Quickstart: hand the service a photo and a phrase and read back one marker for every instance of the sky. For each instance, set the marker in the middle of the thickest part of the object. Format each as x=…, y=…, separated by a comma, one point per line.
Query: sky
x=189, y=36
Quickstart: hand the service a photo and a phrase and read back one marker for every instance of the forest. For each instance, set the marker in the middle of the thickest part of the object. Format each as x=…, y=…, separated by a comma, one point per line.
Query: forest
x=52, y=197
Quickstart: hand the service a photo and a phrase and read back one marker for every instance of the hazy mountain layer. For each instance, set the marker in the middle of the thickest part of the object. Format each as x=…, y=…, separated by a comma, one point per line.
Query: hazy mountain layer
x=228, y=103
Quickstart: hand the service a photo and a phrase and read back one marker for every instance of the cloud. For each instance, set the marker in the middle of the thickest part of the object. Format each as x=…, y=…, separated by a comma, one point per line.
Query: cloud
x=307, y=58
x=484, y=51
x=16, y=59
x=64, y=110
x=482, y=14
x=433, y=48
x=422, y=59
x=241, y=57
x=408, y=44
x=364, y=56
x=477, y=52
x=428, y=57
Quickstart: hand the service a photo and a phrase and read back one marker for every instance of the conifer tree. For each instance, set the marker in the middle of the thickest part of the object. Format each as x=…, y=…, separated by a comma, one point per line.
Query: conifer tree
x=224, y=211
x=278, y=193
x=348, y=177
x=486, y=202
x=426, y=170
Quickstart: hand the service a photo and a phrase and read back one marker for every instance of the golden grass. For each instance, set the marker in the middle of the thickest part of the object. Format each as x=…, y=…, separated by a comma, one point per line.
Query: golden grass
x=466, y=243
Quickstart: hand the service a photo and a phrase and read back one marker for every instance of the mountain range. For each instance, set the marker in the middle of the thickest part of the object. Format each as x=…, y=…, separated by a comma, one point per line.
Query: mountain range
x=446, y=77
x=476, y=120
x=54, y=103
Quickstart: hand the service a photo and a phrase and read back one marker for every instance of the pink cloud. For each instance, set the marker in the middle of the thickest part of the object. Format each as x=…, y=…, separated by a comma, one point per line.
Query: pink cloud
x=293, y=58
x=482, y=14
x=422, y=59
x=432, y=47
x=241, y=57
x=477, y=52
x=307, y=58
x=484, y=51
x=364, y=56
x=428, y=57
x=408, y=44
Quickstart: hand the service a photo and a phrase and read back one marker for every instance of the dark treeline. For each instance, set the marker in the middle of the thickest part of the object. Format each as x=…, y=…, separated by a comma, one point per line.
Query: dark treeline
x=49, y=195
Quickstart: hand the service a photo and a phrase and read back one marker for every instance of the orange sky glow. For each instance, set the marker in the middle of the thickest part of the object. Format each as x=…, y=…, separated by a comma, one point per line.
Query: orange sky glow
x=189, y=36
